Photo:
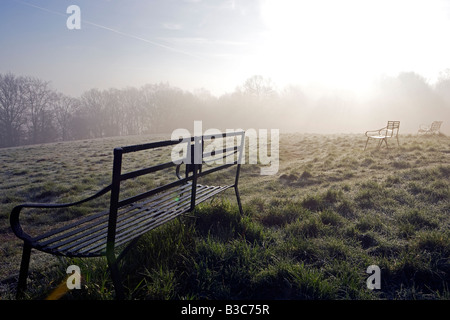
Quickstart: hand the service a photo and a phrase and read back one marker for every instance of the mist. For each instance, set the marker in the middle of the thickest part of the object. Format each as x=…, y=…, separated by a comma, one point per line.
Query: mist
x=31, y=111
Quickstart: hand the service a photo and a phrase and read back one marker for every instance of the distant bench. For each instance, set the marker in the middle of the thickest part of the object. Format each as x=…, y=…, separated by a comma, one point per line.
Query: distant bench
x=434, y=128
x=121, y=225
x=383, y=134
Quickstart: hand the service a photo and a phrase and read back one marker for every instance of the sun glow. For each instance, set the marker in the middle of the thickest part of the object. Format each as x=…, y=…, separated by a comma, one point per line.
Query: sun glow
x=349, y=42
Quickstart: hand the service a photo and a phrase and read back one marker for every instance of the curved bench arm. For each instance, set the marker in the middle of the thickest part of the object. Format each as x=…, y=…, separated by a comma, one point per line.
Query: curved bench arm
x=177, y=171
x=425, y=127
x=371, y=132
x=14, y=217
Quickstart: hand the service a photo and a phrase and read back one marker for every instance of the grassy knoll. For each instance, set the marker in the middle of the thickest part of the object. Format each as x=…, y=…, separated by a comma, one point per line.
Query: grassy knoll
x=309, y=232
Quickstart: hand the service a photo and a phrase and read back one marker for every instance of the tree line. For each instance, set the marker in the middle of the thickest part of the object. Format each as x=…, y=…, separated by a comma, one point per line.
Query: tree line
x=32, y=112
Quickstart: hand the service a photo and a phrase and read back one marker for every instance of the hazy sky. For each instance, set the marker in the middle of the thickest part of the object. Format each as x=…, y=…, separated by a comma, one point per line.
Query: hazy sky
x=216, y=45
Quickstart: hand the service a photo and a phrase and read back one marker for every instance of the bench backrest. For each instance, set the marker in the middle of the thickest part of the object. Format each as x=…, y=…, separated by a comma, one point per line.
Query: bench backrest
x=436, y=125
x=392, y=128
x=192, y=152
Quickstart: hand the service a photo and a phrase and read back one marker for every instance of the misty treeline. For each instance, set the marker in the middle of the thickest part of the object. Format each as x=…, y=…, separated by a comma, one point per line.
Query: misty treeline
x=32, y=112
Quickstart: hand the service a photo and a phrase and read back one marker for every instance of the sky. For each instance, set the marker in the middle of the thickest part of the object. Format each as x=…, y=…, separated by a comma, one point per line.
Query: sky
x=217, y=44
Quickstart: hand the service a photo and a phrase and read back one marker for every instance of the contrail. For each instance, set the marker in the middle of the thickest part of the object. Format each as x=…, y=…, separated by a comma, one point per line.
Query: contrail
x=41, y=8
x=142, y=39
x=115, y=31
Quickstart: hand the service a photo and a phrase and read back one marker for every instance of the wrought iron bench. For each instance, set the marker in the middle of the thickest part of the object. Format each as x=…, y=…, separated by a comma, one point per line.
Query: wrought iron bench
x=434, y=128
x=383, y=134
x=111, y=232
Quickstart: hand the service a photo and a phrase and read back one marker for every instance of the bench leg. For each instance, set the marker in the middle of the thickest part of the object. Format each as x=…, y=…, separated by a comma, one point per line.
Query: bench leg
x=115, y=275
x=366, y=144
x=238, y=200
x=127, y=249
x=380, y=143
x=23, y=274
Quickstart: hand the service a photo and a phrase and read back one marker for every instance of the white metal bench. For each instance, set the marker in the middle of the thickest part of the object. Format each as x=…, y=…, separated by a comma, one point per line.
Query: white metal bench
x=434, y=128
x=383, y=134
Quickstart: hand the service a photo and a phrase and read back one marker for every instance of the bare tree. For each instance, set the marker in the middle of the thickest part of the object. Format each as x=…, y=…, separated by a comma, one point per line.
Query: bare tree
x=443, y=85
x=150, y=112
x=12, y=109
x=63, y=109
x=163, y=105
x=39, y=98
x=112, y=112
x=94, y=112
x=259, y=87
x=132, y=110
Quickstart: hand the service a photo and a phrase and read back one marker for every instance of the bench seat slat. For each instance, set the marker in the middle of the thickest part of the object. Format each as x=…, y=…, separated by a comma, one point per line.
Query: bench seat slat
x=101, y=248
x=144, y=220
x=88, y=237
x=132, y=219
x=216, y=190
x=97, y=222
x=75, y=227
x=141, y=228
x=70, y=226
x=135, y=219
x=163, y=214
x=203, y=193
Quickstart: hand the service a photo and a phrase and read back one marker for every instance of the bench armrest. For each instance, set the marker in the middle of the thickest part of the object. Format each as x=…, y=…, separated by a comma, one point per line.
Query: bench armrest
x=371, y=132
x=14, y=217
x=177, y=171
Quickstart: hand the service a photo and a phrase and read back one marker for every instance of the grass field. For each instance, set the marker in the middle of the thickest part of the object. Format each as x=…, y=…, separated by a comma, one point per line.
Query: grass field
x=309, y=232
